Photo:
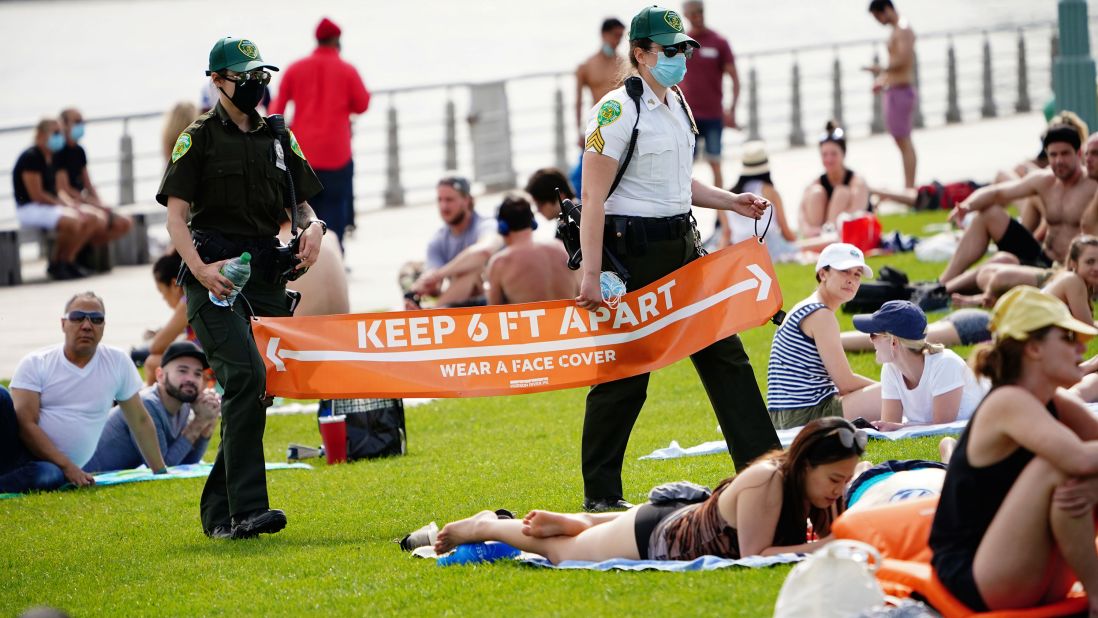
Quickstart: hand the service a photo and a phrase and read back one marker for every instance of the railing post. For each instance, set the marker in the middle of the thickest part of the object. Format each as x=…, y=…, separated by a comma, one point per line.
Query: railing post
x=451, y=158
x=837, y=90
x=394, y=192
x=558, y=128
x=1074, y=67
x=796, y=133
x=953, y=109
x=753, y=105
x=918, y=122
x=987, y=110
x=876, y=124
x=125, y=165
x=1054, y=50
x=1022, y=104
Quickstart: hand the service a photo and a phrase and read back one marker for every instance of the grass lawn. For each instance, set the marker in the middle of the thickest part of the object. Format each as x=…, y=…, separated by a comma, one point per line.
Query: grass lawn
x=138, y=549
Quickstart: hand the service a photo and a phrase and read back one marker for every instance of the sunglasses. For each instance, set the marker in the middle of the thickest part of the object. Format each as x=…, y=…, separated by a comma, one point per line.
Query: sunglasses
x=835, y=135
x=673, y=50
x=876, y=336
x=259, y=75
x=849, y=437
x=77, y=317
x=1069, y=336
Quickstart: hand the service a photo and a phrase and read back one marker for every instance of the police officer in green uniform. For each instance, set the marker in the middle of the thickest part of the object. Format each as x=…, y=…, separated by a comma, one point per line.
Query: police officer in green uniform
x=228, y=178
x=646, y=224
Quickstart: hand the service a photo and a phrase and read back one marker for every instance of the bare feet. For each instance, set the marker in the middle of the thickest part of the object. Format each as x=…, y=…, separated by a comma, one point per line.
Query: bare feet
x=965, y=300
x=461, y=531
x=543, y=524
x=946, y=448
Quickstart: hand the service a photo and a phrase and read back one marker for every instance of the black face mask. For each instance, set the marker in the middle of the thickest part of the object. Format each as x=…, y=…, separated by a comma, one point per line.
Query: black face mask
x=247, y=96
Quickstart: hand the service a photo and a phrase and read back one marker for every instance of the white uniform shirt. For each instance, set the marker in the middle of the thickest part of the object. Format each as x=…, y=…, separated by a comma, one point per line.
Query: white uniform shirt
x=75, y=401
x=657, y=181
x=942, y=372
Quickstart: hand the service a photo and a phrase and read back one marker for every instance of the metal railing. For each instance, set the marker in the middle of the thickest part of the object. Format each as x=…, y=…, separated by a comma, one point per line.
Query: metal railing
x=410, y=135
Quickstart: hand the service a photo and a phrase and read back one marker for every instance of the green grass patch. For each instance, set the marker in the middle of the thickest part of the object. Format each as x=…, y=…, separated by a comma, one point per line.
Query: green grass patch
x=137, y=549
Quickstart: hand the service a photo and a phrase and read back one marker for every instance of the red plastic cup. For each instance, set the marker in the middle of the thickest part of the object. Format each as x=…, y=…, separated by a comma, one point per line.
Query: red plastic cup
x=333, y=430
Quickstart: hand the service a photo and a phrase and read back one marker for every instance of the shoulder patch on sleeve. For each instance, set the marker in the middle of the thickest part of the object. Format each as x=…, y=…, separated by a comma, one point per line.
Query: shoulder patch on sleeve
x=182, y=145
x=294, y=147
x=609, y=112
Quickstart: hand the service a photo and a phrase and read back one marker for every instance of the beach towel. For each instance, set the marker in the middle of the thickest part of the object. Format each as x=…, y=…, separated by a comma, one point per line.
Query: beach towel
x=185, y=471
x=704, y=563
x=786, y=436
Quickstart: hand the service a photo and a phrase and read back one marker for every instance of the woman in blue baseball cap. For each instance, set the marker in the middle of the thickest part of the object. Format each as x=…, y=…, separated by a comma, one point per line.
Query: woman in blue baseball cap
x=921, y=383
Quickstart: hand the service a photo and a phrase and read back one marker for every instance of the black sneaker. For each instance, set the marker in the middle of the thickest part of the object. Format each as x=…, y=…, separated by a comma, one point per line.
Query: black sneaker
x=62, y=271
x=263, y=521
x=602, y=505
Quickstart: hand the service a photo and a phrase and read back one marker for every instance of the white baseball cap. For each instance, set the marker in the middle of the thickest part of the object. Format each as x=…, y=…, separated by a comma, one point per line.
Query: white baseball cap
x=843, y=256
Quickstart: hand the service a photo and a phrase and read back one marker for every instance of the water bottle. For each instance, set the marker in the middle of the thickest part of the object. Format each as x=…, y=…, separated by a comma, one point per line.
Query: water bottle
x=237, y=271
x=472, y=553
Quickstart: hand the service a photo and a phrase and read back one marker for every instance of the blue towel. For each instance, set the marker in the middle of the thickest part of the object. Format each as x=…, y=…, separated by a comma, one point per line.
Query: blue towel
x=705, y=563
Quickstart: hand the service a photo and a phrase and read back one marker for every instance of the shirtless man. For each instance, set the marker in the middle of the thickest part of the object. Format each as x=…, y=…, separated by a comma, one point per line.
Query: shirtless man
x=1066, y=191
x=898, y=82
x=526, y=270
x=600, y=73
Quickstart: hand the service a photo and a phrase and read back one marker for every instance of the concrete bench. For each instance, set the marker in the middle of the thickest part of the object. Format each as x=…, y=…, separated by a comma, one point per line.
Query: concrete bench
x=130, y=250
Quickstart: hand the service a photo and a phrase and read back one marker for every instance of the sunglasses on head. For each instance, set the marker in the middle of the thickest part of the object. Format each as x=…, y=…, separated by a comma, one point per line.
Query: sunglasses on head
x=76, y=317
x=849, y=437
x=673, y=50
x=834, y=135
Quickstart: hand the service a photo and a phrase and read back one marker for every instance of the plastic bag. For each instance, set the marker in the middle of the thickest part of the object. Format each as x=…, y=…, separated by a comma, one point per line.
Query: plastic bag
x=862, y=230
x=835, y=582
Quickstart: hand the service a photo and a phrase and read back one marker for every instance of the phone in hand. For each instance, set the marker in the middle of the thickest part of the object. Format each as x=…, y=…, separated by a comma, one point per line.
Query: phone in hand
x=861, y=423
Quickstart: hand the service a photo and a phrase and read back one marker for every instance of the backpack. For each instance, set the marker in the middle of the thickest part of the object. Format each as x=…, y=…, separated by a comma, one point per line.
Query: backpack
x=375, y=427
x=891, y=284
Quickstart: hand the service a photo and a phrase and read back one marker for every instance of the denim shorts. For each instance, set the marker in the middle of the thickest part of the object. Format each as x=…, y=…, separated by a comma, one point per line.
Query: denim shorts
x=971, y=325
x=709, y=130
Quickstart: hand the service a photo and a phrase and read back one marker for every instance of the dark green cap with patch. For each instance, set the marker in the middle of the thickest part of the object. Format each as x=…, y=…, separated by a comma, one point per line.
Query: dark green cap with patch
x=236, y=55
x=663, y=26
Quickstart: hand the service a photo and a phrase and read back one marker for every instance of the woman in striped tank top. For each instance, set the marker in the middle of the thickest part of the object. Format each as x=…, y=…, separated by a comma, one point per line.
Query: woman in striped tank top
x=808, y=375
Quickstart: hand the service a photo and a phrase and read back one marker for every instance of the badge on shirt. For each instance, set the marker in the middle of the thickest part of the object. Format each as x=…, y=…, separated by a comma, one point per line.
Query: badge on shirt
x=280, y=156
x=182, y=145
x=294, y=147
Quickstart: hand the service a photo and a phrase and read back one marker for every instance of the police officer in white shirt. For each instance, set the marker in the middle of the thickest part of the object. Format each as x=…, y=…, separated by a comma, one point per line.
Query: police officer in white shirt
x=648, y=227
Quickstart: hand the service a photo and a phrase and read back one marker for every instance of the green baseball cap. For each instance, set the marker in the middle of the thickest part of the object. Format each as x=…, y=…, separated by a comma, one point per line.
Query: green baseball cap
x=236, y=55
x=662, y=25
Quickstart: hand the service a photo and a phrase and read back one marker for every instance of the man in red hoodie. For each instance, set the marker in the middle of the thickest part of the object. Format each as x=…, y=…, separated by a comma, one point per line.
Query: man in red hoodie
x=325, y=91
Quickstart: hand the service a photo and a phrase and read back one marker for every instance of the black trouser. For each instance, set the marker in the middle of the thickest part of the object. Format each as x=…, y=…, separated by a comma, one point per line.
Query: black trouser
x=238, y=482
x=726, y=374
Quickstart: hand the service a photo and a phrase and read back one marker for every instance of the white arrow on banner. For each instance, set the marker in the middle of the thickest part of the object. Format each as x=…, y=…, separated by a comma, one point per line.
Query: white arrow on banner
x=760, y=281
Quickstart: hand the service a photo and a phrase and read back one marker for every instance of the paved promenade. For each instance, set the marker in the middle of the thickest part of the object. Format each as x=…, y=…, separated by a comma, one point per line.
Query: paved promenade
x=29, y=314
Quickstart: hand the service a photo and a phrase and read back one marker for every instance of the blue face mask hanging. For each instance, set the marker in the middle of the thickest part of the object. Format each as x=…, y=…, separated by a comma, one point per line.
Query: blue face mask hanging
x=669, y=71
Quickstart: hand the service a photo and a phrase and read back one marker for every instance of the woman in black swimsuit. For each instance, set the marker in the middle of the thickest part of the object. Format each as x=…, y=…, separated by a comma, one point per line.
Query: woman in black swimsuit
x=761, y=511
x=1014, y=526
x=836, y=191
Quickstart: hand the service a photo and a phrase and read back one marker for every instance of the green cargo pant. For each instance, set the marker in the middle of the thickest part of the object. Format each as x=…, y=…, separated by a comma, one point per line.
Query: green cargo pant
x=238, y=482
x=725, y=372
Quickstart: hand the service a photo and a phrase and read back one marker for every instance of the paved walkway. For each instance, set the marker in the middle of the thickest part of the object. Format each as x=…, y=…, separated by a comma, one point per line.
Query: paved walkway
x=29, y=314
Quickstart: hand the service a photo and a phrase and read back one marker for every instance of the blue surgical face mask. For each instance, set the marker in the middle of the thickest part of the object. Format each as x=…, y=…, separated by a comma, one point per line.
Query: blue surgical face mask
x=77, y=131
x=669, y=71
x=607, y=50
x=55, y=142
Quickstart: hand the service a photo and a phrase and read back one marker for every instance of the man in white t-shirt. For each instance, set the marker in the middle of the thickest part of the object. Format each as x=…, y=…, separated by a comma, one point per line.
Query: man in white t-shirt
x=62, y=395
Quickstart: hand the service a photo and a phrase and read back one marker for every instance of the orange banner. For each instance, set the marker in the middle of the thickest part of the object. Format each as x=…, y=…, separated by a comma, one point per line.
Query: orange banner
x=526, y=348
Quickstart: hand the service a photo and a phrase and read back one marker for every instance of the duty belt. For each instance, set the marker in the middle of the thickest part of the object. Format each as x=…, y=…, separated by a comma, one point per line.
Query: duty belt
x=213, y=246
